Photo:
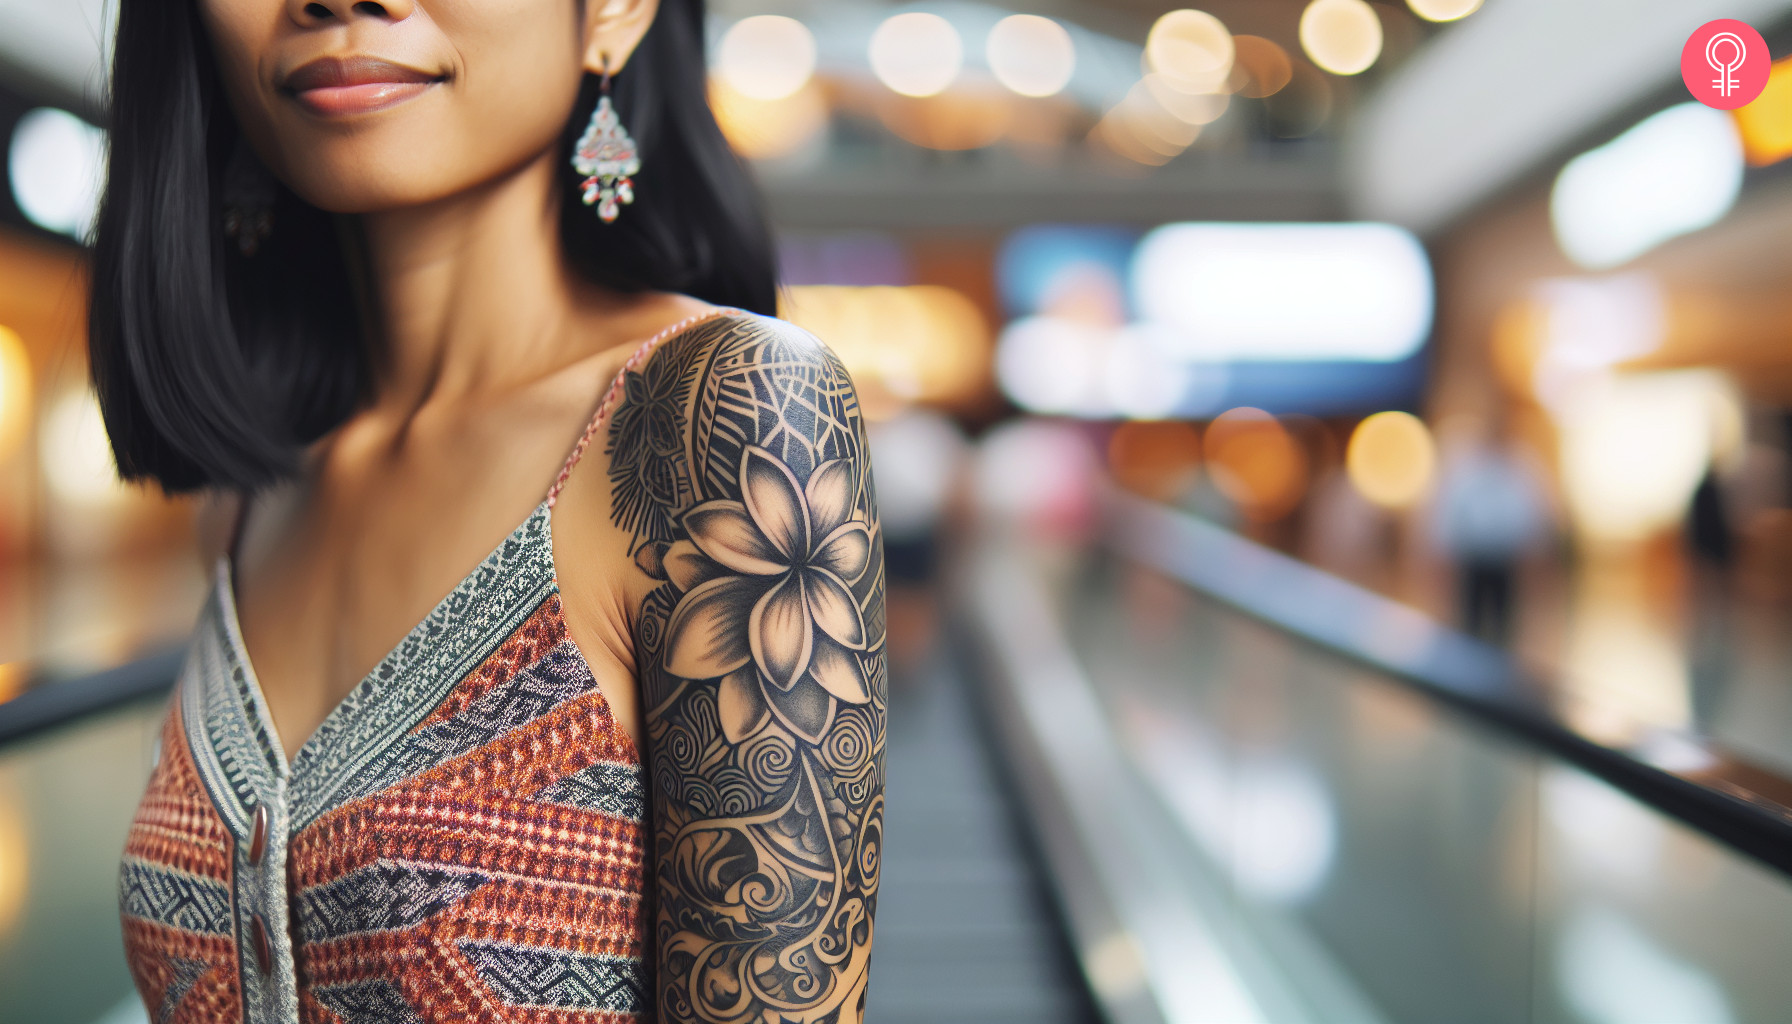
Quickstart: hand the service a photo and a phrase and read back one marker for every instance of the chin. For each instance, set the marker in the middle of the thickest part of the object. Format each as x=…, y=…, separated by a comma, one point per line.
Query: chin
x=382, y=169
x=357, y=183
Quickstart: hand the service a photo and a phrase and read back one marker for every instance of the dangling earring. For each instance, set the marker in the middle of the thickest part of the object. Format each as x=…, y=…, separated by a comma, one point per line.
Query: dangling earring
x=248, y=200
x=607, y=158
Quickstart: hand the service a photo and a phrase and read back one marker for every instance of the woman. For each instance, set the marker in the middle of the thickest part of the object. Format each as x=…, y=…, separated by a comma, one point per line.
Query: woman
x=370, y=270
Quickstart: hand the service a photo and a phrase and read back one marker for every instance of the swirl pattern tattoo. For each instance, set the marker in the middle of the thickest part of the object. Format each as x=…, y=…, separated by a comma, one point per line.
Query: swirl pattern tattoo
x=738, y=468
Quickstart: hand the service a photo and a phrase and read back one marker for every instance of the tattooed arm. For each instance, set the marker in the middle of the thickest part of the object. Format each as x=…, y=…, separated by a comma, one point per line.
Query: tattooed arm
x=738, y=467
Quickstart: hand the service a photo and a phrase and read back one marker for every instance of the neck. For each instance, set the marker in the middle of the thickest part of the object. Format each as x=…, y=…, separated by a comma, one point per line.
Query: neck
x=471, y=293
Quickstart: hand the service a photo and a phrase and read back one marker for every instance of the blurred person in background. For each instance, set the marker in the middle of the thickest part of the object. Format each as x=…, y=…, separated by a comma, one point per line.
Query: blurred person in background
x=1709, y=537
x=1490, y=513
x=365, y=273
x=920, y=458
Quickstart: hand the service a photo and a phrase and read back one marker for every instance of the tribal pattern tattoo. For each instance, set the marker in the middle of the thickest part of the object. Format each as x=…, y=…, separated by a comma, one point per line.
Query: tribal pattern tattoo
x=738, y=466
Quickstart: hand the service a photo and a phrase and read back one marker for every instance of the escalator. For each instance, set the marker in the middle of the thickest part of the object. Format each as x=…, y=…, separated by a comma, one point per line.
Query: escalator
x=1267, y=795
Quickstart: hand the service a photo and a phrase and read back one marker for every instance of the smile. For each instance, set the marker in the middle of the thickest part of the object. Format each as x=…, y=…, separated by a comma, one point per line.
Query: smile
x=344, y=86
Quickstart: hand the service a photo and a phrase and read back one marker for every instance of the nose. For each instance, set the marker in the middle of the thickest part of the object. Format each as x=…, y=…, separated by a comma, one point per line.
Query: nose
x=317, y=13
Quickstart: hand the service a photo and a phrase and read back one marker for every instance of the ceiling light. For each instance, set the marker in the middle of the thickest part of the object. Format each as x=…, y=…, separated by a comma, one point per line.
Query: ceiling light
x=15, y=392
x=1391, y=459
x=1674, y=173
x=1341, y=36
x=57, y=166
x=766, y=57
x=1031, y=55
x=1443, y=10
x=1192, y=49
x=916, y=54
x=1285, y=292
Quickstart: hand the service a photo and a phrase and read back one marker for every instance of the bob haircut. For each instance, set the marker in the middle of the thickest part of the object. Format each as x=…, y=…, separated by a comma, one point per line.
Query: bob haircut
x=215, y=369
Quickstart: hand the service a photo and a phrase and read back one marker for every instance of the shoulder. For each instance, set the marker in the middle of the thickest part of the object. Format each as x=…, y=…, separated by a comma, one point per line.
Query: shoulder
x=693, y=405
x=734, y=341
x=725, y=402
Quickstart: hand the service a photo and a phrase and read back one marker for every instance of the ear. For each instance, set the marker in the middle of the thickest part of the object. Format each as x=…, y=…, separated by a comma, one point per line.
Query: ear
x=613, y=28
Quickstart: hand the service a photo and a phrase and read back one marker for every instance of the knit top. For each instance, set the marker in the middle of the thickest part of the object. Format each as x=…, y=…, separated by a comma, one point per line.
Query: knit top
x=462, y=838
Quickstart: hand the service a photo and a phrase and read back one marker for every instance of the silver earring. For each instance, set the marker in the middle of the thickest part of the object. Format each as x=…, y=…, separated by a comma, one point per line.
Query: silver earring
x=248, y=200
x=607, y=158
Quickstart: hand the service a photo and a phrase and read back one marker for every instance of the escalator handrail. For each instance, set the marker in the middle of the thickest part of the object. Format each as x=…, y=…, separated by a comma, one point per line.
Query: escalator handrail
x=51, y=704
x=1739, y=803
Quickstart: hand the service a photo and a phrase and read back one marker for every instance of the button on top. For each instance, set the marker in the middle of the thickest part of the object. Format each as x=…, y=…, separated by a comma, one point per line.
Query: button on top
x=258, y=835
x=264, y=950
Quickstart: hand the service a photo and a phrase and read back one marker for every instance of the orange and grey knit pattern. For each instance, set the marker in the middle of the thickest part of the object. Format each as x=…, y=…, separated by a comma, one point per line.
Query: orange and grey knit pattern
x=461, y=840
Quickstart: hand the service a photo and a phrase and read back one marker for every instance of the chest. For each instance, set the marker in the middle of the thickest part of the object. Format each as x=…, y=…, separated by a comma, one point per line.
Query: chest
x=463, y=838
x=330, y=573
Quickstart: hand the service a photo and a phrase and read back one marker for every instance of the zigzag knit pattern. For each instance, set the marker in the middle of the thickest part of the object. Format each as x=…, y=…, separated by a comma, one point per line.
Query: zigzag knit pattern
x=487, y=867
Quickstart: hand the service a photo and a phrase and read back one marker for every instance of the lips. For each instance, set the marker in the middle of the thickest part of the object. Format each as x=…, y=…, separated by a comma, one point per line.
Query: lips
x=340, y=86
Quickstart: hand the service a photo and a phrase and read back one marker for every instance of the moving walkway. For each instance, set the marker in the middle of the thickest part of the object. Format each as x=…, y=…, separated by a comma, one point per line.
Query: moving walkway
x=1265, y=794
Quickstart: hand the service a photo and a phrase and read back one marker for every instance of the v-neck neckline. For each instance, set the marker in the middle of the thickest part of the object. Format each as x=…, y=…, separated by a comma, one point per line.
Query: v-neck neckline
x=239, y=650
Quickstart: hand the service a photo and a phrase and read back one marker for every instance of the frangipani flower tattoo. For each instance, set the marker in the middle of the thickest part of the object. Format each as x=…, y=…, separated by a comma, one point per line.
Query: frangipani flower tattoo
x=768, y=605
x=738, y=470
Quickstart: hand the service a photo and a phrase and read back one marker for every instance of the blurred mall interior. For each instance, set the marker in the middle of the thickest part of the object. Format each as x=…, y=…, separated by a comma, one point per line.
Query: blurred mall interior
x=1336, y=465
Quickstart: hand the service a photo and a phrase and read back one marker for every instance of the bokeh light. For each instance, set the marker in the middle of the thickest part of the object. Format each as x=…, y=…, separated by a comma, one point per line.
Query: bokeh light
x=1052, y=365
x=1191, y=49
x=15, y=861
x=1634, y=447
x=1158, y=460
x=1672, y=174
x=1256, y=463
x=1443, y=10
x=15, y=393
x=1037, y=474
x=1766, y=123
x=957, y=120
x=1036, y=263
x=1341, y=36
x=1391, y=459
x=1142, y=382
x=1260, y=68
x=918, y=343
x=920, y=456
x=766, y=57
x=768, y=129
x=1156, y=121
x=1031, y=55
x=75, y=454
x=1194, y=108
x=916, y=54
x=1286, y=291
x=57, y=166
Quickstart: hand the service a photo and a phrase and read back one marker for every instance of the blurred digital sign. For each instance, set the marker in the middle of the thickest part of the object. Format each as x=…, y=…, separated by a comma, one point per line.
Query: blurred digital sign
x=1192, y=319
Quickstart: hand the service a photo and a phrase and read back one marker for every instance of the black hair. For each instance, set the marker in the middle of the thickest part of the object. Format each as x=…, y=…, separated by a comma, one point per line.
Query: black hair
x=215, y=369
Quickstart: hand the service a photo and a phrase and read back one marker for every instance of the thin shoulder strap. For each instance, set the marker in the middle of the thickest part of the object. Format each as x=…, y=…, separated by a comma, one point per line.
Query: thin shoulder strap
x=614, y=394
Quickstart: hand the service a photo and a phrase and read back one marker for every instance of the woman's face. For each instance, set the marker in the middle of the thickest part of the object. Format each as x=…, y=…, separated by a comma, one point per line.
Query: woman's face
x=368, y=106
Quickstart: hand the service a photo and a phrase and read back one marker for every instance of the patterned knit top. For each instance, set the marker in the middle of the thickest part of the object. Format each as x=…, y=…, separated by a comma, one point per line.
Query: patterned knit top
x=462, y=839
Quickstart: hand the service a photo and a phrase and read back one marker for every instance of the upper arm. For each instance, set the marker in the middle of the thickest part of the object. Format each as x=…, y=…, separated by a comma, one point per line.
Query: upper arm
x=738, y=470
